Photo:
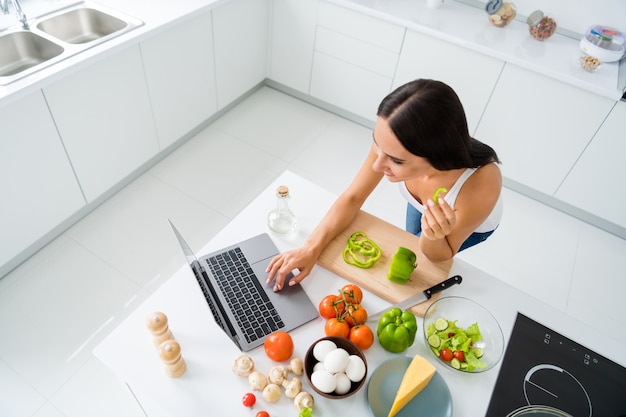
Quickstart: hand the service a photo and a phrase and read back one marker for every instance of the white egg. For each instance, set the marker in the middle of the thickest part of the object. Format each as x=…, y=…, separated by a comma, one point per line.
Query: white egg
x=324, y=381
x=343, y=384
x=336, y=360
x=321, y=349
x=355, y=369
x=318, y=366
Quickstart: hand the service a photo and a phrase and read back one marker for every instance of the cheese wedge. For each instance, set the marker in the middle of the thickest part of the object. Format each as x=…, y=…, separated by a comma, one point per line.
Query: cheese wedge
x=416, y=377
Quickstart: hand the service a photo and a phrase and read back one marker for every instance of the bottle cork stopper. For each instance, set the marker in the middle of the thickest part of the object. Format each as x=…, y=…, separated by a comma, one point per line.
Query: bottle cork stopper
x=282, y=190
x=174, y=364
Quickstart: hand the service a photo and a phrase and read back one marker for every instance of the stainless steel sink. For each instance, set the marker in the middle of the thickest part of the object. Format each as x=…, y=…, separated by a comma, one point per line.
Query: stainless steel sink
x=81, y=25
x=56, y=36
x=22, y=50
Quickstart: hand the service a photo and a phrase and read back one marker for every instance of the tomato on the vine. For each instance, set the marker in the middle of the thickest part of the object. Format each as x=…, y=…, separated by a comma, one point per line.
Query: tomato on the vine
x=446, y=354
x=362, y=336
x=279, y=346
x=355, y=314
x=331, y=306
x=337, y=327
x=262, y=414
x=352, y=293
x=248, y=400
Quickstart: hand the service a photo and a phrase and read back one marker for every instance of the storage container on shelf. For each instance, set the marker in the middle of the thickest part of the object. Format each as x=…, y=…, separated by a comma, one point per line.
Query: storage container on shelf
x=540, y=25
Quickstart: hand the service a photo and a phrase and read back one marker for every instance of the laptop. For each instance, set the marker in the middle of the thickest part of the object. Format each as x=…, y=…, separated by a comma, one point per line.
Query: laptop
x=232, y=281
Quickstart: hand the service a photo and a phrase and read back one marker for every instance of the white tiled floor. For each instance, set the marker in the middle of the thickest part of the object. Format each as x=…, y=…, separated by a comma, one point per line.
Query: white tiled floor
x=59, y=304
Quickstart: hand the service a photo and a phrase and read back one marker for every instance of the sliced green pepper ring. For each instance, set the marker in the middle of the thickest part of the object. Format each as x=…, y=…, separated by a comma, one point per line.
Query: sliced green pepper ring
x=361, y=251
x=437, y=192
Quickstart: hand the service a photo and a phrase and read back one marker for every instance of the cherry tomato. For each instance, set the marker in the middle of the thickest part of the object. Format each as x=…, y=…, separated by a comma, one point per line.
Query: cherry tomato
x=331, y=306
x=352, y=294
x=451, y=334
x=355, y=314
x=459, y=354
x=362, y=336
x=279, y=346
x=337, y=327
x=446, y=355
x=248, y=400
x=262, y=414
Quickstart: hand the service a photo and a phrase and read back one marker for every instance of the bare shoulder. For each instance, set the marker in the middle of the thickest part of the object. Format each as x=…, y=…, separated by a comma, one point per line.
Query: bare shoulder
x=482, y=189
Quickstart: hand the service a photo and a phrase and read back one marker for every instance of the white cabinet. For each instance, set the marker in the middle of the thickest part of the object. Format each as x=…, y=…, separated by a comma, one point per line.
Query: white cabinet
x=539, y=126
x=354, y=60
x=180, y=73
x=104, y=117
x=240, y=29
x=471, y=75
x=292, y=41
x=38, y=187
x=597, y=181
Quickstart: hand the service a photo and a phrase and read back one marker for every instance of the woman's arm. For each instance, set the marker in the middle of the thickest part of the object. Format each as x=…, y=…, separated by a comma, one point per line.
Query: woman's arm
x=444, y=230
x=339, y=216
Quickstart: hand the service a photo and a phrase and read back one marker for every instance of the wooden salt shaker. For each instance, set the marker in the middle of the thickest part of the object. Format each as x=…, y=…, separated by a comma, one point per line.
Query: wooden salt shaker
x=158, y=326
x=174, y=364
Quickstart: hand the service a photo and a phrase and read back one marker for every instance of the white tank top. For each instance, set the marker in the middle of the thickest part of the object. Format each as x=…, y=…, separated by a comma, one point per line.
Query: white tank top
x=490, y=223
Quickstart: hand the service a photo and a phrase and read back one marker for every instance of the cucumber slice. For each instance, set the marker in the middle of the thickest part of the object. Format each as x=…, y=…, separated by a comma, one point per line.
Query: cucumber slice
x=478, y=352
x=455, y=363
x=434, y=340
x=441, y=324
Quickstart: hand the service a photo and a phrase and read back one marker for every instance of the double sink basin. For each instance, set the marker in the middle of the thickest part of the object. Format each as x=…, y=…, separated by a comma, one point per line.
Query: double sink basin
x=57, y=36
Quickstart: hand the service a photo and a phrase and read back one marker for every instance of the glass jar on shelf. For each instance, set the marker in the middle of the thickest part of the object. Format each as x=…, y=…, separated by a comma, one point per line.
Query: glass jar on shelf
x=540, y=25
x=500, y=13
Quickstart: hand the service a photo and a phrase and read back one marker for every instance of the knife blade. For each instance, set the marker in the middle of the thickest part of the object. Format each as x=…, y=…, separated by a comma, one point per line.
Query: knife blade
x=420, y=297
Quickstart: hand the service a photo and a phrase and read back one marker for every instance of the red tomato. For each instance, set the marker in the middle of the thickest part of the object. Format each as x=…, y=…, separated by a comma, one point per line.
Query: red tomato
x=362, y=336
x=336, y=327
x=279, y=346
x=331, y=306
x=355, y=314
x=248, y=400
x=352, y=294
x=459, y=354
x=446, y=355
x=262, y=414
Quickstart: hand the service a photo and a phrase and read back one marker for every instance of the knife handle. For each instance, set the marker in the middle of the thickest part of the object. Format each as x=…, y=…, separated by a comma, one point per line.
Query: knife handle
x=443, y=285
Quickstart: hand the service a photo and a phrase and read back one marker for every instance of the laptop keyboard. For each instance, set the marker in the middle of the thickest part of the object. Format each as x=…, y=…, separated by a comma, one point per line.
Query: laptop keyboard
x=253, y=310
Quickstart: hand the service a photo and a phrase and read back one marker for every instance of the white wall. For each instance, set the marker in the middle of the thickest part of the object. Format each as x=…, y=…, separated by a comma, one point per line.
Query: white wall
x=574, y=15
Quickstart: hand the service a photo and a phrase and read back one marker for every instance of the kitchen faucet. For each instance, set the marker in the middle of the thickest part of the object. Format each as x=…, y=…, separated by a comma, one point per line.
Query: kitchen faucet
x=4, y=5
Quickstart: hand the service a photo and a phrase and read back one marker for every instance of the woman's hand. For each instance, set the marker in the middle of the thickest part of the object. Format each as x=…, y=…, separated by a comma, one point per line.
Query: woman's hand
x=302, y=260
x=438, y=220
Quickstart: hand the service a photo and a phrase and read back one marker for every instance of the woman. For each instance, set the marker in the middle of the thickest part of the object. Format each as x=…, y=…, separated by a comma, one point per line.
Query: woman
x=421, y=141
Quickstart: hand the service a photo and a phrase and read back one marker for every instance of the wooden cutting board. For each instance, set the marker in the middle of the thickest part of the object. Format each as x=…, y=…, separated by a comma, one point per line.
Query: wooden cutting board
x=388, y=237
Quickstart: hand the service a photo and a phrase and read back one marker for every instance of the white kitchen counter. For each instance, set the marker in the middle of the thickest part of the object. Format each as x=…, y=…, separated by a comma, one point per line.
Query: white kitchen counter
x=454, y=22
x=129, y=352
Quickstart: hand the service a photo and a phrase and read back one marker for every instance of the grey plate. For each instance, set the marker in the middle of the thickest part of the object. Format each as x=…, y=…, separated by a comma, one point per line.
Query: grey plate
x=434, y=400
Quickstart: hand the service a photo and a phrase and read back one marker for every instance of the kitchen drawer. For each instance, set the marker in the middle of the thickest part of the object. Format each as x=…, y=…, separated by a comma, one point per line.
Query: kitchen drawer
x=374, y=58
x=365, y=28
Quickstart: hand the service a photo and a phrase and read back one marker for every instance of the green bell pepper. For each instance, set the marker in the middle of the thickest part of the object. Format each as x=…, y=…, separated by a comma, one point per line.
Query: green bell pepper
x=396, y=330
x=402, y=265
x=361, y=251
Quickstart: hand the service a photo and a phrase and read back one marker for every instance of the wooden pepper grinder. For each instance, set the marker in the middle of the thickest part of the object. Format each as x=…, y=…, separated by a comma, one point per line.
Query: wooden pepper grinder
x=157, y=324
x=175, y=365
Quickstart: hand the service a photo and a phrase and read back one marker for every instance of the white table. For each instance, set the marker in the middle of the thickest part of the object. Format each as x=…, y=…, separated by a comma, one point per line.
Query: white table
x=209, y=385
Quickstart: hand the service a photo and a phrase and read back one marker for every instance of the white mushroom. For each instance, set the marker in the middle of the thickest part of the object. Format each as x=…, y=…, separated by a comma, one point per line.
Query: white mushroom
x=271, y=393
x=243, y=365
x=296, y=366
x=292, y=388
x=257, y=381
x=303, y=400
x=277, y=374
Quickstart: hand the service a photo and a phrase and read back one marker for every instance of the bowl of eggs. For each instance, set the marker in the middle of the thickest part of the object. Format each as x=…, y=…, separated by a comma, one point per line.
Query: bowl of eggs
x=335, y=367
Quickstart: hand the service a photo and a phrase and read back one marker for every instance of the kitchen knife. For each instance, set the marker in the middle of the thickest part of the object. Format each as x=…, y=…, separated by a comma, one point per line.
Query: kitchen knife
x=420, y=297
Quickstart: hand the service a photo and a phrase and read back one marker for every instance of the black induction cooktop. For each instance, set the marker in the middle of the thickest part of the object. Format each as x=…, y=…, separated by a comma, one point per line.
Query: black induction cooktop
x=542, y=367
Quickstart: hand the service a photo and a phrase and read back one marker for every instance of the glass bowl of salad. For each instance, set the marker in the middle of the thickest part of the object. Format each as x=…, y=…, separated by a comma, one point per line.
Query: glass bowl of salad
x=463, y=335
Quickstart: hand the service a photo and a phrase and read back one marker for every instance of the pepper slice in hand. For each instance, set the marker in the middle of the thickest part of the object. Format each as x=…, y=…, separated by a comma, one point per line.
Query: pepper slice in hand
x=396, y=330
x=402, y=265
x=361, y=251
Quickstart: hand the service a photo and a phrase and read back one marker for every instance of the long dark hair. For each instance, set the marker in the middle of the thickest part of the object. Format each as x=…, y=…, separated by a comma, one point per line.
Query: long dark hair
x=428, y=119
